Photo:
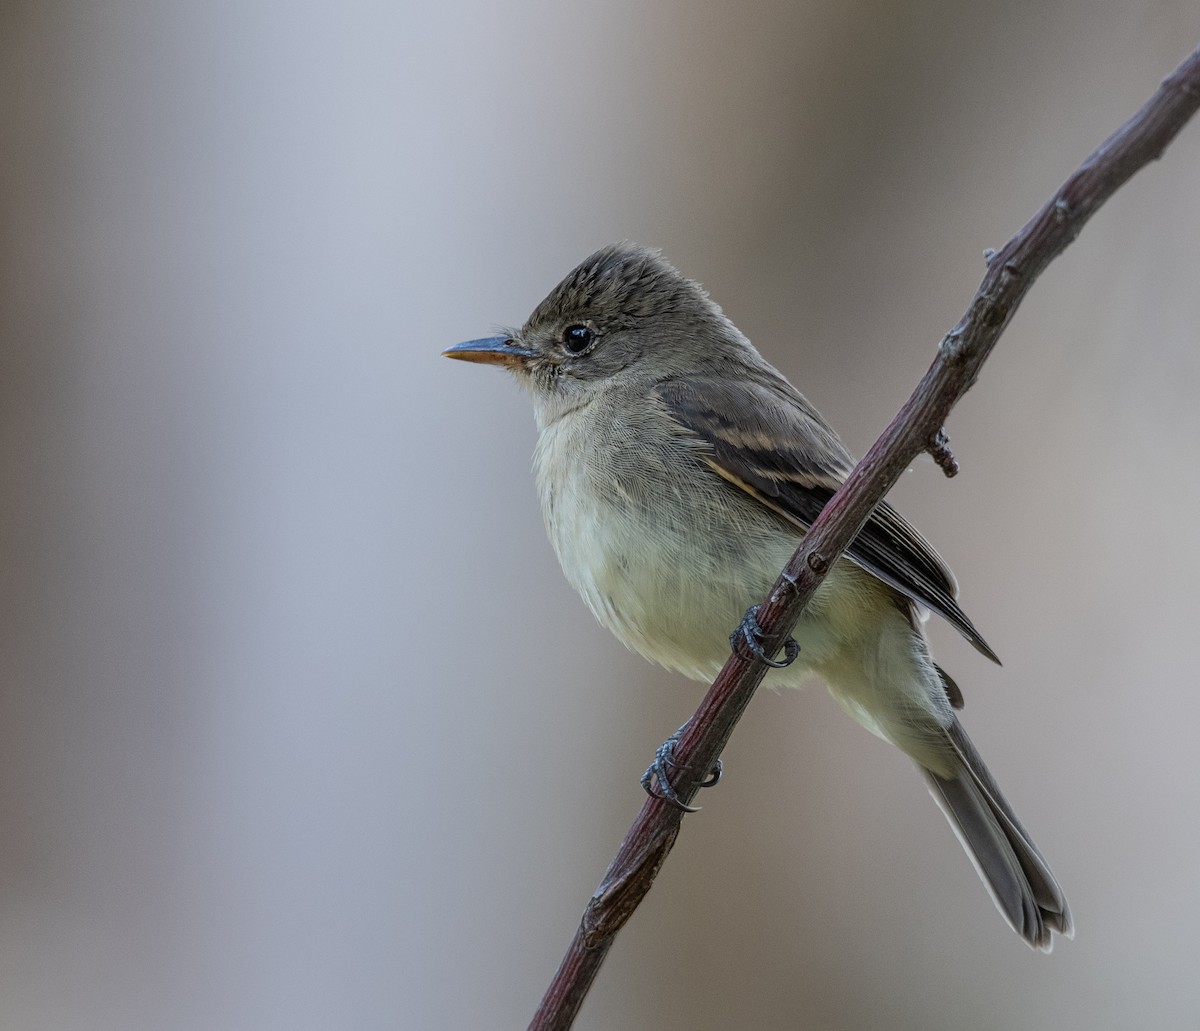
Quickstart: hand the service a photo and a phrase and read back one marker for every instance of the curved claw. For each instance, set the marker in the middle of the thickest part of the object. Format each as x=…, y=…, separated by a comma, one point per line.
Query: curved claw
x=748, y=635
x=657, y=784
x=714, y=775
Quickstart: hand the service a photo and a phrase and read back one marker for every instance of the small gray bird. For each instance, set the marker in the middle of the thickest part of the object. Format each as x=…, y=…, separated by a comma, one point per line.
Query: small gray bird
x=678, y=471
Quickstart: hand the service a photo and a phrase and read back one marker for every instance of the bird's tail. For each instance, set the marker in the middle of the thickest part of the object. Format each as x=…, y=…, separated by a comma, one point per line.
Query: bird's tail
x=1014, y=871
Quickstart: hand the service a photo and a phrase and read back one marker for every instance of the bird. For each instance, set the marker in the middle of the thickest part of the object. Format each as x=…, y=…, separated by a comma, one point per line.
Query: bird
x=677, y=472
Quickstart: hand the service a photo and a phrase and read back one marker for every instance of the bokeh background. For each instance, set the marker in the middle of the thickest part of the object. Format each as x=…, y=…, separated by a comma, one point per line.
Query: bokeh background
x=300, y=727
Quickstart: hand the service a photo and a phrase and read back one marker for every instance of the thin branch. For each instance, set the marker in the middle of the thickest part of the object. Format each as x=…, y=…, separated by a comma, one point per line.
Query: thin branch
x=918, y=427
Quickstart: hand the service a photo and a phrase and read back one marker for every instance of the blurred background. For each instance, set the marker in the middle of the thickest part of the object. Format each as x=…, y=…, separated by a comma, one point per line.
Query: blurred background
x=300, y=726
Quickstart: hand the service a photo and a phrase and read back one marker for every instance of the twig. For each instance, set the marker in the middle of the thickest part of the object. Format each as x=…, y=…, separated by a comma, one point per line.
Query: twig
x=917, y=427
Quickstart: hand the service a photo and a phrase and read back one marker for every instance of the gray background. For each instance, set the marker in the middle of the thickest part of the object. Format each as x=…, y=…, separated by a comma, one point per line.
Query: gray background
x=300, y=726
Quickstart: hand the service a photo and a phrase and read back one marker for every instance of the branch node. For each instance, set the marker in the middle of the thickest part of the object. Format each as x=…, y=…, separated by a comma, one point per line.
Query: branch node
x=939, y=451
x=1062, y=209
x=619, y=894
x=1184, y=85
x=951, y=347
x=988, y=254
x=818, y=563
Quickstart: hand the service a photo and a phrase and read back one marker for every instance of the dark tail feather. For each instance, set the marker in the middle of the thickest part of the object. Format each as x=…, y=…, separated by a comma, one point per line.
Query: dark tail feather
x=1014, y=871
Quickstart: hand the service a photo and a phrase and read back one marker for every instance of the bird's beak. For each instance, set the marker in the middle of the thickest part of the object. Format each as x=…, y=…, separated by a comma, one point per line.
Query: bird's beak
x=491, y=351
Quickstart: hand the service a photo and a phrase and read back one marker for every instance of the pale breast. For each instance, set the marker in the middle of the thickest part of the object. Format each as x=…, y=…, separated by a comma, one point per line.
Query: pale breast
x=667, y=555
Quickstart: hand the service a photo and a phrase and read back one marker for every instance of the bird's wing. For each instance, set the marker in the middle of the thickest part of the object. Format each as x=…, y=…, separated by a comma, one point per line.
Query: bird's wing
x=765, y=438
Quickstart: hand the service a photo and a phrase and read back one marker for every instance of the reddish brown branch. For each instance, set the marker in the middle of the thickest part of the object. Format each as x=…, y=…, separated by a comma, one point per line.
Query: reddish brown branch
x=917, y=427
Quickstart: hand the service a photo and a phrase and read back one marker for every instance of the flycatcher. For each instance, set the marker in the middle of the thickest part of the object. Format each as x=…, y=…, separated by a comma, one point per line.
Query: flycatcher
x=677, y=472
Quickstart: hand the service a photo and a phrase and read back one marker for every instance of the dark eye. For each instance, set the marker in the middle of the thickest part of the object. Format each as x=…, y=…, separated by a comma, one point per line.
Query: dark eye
x=577, y=339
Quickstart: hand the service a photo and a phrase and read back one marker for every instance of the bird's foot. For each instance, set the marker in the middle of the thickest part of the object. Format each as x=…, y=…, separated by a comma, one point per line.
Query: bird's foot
x=748, y=637
x=656, y=782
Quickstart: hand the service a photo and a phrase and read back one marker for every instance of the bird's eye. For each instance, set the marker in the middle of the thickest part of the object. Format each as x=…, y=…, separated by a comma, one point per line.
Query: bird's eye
x=577, y=339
